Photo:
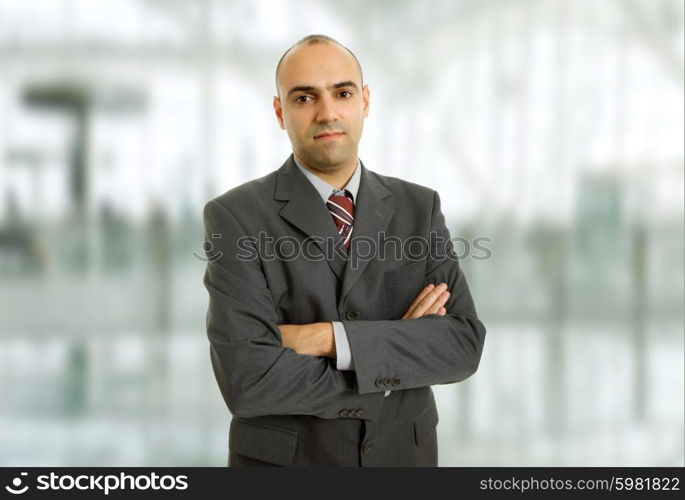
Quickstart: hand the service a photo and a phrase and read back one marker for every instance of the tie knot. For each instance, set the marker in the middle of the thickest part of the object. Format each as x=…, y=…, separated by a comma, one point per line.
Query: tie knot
x=341, y=207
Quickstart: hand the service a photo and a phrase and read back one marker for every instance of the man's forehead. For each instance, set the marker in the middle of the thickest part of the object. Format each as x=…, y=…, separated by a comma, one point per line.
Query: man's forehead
x=318, y=65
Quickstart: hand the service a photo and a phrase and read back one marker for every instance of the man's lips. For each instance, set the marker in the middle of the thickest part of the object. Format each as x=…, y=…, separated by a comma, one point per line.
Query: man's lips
x=328, y=136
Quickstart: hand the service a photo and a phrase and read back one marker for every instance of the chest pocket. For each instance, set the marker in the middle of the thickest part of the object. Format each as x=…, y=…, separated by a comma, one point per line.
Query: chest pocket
x=401, y=286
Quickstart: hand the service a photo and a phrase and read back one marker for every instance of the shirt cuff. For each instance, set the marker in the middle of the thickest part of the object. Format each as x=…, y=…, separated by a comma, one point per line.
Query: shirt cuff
x=342, y=347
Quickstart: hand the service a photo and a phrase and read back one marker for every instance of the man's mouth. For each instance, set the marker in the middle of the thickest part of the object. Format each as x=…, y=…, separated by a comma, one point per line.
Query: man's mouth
x=327, y=136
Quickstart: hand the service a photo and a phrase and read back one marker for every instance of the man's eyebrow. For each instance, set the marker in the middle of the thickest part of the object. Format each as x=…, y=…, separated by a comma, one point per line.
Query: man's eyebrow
x=304, y=88
x=301, y=89
x=348, y=83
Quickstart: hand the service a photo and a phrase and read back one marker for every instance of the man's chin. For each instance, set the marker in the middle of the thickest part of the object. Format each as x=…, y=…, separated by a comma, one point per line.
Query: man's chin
x=327, y=162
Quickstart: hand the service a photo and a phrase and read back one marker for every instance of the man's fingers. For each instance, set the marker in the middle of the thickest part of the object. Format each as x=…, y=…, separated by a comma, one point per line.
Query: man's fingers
x=439, y=302
x=429, y=300
x=426, y=290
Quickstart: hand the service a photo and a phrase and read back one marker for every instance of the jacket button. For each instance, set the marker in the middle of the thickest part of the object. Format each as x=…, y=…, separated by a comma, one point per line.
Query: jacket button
x=395, y=381
x=379, y=382
x=366, y=446
x=352, y=315
x=343, y=413
x=387, y=382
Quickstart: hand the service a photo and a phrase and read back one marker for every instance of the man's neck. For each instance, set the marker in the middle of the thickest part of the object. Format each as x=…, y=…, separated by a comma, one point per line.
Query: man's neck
x=337, y=178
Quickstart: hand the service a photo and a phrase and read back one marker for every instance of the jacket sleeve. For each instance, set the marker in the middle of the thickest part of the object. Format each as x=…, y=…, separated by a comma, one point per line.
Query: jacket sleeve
x=433, y=349
x=255, y=373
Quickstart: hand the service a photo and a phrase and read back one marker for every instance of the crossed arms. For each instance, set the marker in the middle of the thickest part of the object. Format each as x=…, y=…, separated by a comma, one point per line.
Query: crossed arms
x=263, y=368
x=317, y=339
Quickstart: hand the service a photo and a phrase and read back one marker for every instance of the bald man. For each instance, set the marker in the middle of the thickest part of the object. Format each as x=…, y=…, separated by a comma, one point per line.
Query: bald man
x=326, y=326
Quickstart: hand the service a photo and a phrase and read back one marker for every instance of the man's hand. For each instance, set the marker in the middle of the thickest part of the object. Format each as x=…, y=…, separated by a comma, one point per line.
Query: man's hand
x=313, y=339
x=429, y=301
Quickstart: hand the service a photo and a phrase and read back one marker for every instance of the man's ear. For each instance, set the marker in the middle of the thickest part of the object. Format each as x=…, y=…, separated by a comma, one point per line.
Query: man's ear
x=279, y=112
x=366, y=93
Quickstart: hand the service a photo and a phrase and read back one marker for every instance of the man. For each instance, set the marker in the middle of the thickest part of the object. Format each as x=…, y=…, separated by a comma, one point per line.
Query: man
x=325, y=339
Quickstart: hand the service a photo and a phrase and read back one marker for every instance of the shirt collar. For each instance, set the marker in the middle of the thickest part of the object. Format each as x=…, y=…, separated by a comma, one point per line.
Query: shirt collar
x=325, y=189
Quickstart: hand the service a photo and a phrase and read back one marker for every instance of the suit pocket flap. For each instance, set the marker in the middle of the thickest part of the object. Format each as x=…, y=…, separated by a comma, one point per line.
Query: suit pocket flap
x=425, y=422
x=262, y=442
x=414, y=270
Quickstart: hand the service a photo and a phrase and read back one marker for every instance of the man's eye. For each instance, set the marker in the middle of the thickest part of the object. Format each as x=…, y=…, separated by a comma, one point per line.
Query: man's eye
x=303, y=98
x=345, y=93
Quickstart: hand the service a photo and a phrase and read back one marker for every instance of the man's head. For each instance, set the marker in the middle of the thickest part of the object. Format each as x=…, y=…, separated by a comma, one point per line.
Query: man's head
x=322, y=102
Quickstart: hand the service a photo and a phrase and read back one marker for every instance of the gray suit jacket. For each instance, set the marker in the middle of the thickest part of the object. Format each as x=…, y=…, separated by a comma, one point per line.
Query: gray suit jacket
x=272, y=261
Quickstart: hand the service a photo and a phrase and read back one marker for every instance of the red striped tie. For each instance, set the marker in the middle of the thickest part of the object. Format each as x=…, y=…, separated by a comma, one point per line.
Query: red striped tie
x=341, y=209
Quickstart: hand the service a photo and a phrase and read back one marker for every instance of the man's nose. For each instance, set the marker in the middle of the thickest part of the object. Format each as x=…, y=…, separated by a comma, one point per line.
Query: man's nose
x=326, y=111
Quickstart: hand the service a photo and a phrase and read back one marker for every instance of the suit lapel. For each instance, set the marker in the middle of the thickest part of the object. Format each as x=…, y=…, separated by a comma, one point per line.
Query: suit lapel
x=371, y=216
x=306, y=211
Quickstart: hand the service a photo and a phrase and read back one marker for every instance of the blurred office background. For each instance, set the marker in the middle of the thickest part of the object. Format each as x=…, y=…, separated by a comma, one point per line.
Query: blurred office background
x=554, y=128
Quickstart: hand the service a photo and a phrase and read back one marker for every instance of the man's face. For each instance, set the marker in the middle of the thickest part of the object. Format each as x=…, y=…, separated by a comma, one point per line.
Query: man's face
x=322, y=105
